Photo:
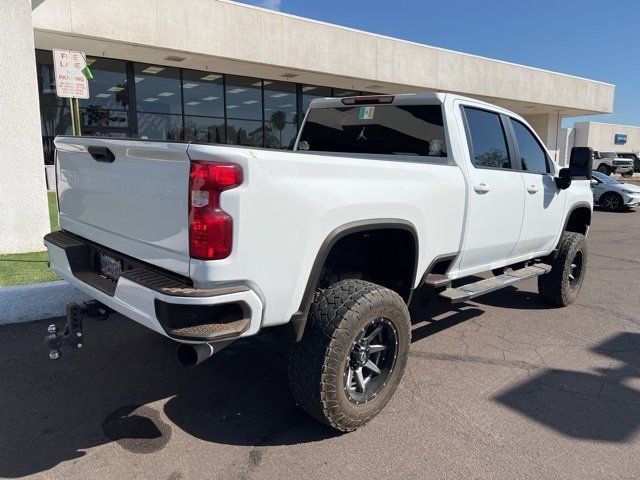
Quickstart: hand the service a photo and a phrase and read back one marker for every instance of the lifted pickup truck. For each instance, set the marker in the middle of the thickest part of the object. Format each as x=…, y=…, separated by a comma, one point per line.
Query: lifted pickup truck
x=380, y=196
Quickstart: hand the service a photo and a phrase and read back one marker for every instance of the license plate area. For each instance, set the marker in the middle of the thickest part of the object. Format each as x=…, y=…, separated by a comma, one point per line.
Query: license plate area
x=108, y=266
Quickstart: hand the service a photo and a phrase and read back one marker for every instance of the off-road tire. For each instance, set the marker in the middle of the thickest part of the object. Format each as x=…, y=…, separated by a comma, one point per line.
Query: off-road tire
x=604, y=168
x=555, y=287
x=317, y=363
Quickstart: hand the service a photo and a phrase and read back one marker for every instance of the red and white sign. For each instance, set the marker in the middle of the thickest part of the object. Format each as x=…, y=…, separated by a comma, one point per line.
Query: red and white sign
x=70, y=81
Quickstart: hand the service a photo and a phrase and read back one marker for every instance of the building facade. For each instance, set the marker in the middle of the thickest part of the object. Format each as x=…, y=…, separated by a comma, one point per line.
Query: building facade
x=225, y=72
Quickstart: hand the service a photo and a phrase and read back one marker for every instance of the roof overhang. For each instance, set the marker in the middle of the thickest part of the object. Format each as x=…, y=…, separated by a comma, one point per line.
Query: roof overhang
x=228, y=37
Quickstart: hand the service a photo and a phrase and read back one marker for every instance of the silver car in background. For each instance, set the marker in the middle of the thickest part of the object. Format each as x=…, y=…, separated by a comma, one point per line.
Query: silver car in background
x=613, y=195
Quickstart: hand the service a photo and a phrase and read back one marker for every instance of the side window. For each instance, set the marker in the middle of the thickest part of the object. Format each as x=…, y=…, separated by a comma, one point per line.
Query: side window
x=532, y=155
x=488, y=139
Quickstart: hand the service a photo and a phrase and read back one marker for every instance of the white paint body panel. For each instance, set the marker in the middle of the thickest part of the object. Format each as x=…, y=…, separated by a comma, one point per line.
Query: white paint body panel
x=288, y=205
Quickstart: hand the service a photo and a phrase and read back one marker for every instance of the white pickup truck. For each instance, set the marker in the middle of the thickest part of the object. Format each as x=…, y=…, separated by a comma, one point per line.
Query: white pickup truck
x=380, y=196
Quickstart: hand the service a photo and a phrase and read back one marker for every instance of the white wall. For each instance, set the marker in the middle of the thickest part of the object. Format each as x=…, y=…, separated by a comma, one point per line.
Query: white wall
x=24, y=217
x=600, y=136
x=546, y=125
x=566, y=141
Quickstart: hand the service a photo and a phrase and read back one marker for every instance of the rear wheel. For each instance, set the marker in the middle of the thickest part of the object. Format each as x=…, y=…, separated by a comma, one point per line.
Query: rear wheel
x=603, y=168
x=352, y=355
x=611, y=201
x=562, y=284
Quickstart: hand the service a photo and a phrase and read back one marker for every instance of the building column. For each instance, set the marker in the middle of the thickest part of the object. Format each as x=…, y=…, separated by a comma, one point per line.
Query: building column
x=547, y=126
x=24, y=217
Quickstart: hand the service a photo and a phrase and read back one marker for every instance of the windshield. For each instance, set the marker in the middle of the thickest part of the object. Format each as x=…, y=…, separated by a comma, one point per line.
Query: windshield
x=608, y=155
x=604, y=178
x=376, y=129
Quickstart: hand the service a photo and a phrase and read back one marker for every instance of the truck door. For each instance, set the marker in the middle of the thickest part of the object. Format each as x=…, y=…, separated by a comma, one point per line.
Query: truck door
x=544, y=201
x=496, y=193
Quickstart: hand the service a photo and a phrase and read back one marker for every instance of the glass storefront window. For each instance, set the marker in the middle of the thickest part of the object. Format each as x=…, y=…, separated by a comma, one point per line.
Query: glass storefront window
x=174, y=104
x=280, y=101
x=108, y=87
x=203, y=93
x=153, y=126
x=203, y=129
x=280, y=135
x=244, y=97
x=157, y=88
x=244, y=132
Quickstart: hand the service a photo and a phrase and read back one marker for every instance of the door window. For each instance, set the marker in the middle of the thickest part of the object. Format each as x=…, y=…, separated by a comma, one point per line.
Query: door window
x=488, y=139
x=532, y=155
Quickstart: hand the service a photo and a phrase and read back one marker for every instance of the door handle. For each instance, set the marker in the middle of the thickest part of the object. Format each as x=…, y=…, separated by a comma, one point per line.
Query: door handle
x=532, y=189
x=482, y=188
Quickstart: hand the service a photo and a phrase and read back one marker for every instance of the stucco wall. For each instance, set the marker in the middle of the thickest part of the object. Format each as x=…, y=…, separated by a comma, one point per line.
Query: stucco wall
x=546, y=126
x=600, y=136
x=228, y=30
x=24, y=217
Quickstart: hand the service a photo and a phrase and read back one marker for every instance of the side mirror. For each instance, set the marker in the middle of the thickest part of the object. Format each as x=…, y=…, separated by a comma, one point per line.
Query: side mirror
x=563, y=180
x=593, y=182
x=581, y=163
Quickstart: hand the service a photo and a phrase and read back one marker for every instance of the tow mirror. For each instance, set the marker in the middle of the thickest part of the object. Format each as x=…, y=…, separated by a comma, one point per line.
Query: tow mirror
x=563, y=180
x=581, y=163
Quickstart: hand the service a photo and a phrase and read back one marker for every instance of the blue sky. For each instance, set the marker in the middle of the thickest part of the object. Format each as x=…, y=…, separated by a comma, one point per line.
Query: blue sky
x=597, y=39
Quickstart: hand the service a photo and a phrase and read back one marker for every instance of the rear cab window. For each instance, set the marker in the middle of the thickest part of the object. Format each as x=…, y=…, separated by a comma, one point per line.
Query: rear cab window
x=487, y=139
x=410, y=130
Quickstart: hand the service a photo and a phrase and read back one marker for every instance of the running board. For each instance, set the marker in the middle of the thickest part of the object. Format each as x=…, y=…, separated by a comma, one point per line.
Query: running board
x=472, y=290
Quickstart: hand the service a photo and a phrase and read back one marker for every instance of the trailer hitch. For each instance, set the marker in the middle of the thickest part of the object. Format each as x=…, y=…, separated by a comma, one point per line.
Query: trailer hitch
x=72, y=334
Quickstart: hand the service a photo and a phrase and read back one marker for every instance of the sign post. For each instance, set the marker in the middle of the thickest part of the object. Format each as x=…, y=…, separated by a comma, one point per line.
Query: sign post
x=72, y=81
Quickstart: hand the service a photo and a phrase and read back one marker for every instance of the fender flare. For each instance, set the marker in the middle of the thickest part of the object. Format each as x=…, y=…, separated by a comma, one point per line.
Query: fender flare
x=574, y=207
x=299, y=318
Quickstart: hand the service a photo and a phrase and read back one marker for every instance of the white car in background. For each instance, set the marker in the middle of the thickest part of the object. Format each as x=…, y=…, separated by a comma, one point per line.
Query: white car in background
x=613, y=195
x=610, y=162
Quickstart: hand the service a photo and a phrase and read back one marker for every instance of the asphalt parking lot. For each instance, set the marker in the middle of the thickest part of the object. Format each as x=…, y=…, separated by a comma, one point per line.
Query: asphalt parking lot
x=501, y=387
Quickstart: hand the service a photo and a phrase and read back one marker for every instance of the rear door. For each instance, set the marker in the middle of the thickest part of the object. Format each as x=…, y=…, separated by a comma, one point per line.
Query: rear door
x=496, y=193
x=544, y=201
x=130, y=196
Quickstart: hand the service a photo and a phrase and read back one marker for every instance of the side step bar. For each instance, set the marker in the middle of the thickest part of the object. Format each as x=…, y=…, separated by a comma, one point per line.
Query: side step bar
x=472, y=290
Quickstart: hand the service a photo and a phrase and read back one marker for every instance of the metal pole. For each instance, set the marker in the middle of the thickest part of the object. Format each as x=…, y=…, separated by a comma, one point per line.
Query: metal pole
x=75, y=116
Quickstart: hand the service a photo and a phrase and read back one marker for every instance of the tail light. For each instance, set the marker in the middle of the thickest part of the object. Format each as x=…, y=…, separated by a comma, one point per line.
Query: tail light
x=210, y=227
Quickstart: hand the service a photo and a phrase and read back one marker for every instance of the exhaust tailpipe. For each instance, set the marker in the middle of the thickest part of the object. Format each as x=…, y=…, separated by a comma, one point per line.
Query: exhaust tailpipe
x=192, y=354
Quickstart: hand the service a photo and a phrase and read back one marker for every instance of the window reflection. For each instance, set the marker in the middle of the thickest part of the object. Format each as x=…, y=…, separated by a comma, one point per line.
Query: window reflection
x=108, y=87
x=244, y=98
x=157, y=88
x=203, y=129
x=154, y=126
x=203, y=93
x=244, y=132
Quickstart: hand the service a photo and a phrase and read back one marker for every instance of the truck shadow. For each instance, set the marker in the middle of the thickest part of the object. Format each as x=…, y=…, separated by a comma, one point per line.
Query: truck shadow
x=586, y=405
x=126, y=387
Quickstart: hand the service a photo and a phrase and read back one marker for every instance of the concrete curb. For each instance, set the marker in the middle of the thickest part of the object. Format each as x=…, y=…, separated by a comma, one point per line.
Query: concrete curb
x=26, y=303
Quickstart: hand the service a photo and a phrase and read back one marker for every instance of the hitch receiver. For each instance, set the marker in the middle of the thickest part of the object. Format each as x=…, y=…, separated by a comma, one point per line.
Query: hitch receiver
x=72, y=334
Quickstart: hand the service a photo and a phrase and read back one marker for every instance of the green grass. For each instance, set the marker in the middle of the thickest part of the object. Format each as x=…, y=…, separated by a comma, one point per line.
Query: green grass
x=53, y=211
x=23, y=268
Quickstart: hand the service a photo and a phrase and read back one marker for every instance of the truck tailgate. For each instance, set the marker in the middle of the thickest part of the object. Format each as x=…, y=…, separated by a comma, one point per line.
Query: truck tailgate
x=131, y=196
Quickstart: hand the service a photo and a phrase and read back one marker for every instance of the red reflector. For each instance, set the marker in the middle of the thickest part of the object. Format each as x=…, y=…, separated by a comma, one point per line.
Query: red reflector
x=210, y=228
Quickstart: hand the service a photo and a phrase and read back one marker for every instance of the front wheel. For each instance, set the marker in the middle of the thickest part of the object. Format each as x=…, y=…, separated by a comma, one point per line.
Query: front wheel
x=352, y=355
x=604, y=169
x=562, y=284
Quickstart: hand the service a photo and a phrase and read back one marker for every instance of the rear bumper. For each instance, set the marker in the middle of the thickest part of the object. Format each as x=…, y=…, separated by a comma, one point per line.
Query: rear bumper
x=160, y=302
